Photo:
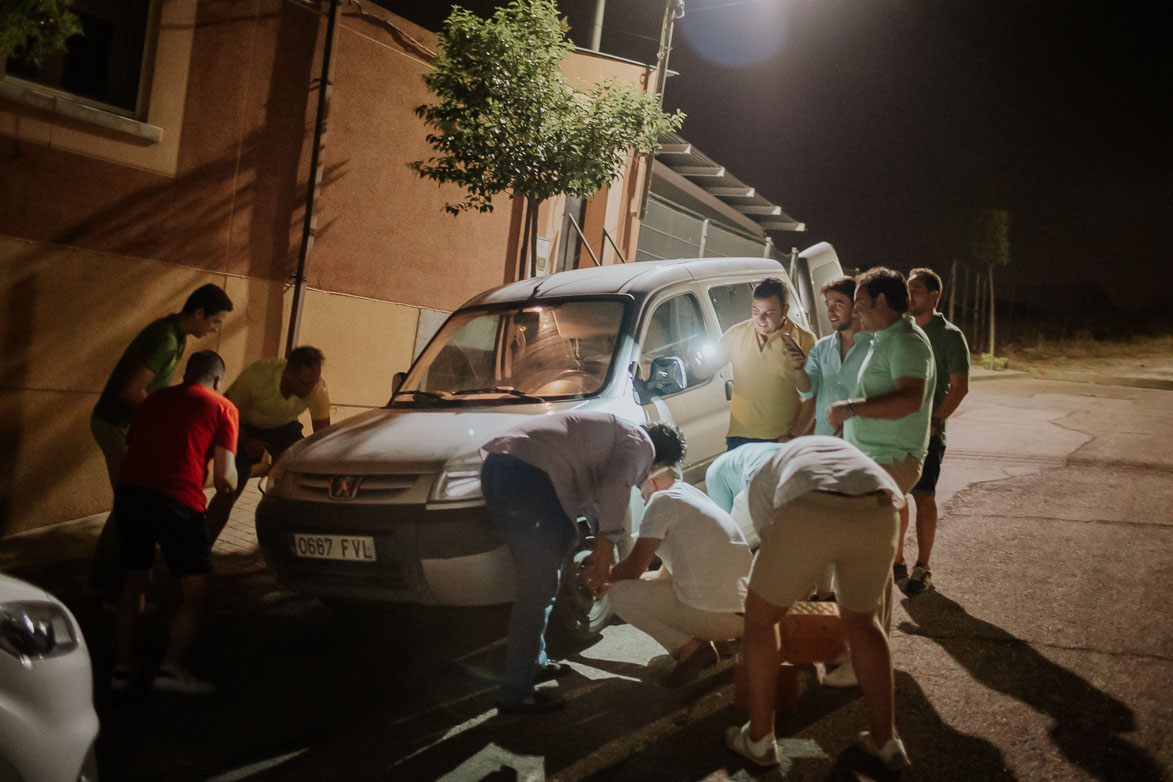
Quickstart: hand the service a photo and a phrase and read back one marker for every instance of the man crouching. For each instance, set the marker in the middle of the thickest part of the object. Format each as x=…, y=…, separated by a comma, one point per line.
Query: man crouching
x=820, y=501
x=697, y=596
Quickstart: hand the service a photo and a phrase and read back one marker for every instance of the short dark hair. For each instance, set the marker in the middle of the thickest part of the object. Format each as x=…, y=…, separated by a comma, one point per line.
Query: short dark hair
x=844, y=285
x=889, y=282
x=930, y=278
x=203, y=367
x=306, y=356
x=209, y=298
x=669, y=443
x=772, y=286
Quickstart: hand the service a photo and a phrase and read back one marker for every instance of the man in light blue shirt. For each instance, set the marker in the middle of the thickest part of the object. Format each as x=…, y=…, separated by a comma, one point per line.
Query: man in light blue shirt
x=832, y=368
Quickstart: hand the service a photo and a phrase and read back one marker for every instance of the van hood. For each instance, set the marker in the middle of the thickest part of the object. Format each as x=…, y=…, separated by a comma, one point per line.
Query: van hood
x=397, y=440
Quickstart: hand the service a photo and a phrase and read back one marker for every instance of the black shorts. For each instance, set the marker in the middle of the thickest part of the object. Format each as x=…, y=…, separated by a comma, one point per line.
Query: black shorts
x=147, y=518
x=927, y=485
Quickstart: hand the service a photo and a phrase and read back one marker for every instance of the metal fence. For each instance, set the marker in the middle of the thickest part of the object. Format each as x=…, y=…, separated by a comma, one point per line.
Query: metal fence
x=673, y=231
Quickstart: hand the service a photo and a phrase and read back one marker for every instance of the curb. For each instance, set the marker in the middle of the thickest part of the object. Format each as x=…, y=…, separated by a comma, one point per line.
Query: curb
x=1075, y=376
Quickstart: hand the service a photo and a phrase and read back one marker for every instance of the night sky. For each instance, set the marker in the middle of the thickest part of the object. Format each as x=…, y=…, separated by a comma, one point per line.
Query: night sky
x=885, y=125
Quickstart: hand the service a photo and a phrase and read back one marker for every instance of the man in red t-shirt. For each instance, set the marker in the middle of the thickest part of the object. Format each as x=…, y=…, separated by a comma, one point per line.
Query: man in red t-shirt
x=159, y=501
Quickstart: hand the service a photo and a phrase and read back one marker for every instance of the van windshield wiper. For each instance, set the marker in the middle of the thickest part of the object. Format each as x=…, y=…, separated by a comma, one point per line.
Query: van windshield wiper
x=420, y=392
x=499, y=390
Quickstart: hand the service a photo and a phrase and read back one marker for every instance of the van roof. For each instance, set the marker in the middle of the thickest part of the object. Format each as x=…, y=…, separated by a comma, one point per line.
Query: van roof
x=640, y=278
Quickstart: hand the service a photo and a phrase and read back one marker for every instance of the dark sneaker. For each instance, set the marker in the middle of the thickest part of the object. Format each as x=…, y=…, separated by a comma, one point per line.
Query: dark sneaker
x=551, y=671
x=688, y=669
x=537, y=702
x=899, y=571
x=120, y=679
x=182, y=681
x=921, y=581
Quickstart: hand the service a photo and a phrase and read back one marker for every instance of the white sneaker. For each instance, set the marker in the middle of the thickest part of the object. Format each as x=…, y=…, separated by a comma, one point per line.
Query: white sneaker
x=738, y=740
x=892, y=754
x=182, y=681
x=843, y=676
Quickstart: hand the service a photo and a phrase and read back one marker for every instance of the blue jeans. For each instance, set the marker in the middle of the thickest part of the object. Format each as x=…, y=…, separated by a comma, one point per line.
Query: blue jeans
x=737, y=442
x=522, y=502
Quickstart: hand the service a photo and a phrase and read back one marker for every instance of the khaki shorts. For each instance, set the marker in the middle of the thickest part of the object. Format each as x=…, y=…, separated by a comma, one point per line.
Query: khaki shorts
x=856, y=534
x=905, y=472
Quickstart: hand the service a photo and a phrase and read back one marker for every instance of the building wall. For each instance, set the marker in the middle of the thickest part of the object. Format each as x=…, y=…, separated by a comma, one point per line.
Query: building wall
x=102, y=231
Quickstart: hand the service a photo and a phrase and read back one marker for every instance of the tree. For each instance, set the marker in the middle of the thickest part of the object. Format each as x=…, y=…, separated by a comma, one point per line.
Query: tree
x=505, y=120
x=30, y=30
x=991, y=248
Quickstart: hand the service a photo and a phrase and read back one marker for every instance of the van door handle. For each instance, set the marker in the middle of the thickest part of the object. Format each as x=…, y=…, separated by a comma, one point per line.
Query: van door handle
x=728, y=390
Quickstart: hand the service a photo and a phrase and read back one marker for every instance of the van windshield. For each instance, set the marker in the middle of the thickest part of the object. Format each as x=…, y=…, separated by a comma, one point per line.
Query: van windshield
x=531, y=353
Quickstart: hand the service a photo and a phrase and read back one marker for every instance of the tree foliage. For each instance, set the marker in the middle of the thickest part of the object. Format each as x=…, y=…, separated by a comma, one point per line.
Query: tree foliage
x=991, y=237
x=30, y=30
x=505, y=119
x=990, y=240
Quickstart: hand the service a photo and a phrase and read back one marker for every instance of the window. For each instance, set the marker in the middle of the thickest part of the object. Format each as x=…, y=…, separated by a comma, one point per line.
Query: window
x=676, y=330
x=732, y=303
x=105, y=65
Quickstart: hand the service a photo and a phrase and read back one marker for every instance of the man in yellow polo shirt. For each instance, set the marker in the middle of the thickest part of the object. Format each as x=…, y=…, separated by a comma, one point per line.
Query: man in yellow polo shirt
x=765, y=402
x=271, y=395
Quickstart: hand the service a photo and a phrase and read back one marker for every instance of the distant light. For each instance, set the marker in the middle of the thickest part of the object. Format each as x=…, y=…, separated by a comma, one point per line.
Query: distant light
x=736, y=34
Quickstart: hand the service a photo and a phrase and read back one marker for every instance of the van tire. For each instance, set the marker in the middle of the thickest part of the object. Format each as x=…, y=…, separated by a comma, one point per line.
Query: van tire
x=578, y=616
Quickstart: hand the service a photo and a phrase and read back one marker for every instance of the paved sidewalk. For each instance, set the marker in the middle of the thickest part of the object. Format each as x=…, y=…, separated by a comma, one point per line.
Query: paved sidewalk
x=57, y=558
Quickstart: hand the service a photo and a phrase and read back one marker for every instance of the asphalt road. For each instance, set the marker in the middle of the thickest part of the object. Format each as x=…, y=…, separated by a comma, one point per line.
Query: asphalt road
x=1044, y=653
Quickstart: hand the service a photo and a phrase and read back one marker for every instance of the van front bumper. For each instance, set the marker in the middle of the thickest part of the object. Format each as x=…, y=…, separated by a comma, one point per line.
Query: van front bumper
x=425, y=555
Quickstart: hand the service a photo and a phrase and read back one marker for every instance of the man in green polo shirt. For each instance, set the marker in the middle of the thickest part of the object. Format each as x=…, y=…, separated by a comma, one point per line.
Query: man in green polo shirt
x=765, y=402
x=951, y=355
x=146, y=365
x=887, y=415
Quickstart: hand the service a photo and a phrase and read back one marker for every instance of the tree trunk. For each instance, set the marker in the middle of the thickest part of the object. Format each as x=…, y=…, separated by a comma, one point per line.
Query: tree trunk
x=964, y=307
x=533, y=240
x=952, y=289
x=991, y=273
x=977, y=308
x=523, y=260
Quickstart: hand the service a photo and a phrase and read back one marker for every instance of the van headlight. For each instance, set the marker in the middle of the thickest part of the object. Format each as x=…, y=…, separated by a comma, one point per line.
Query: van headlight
x=33, y=630
x=459, y=481
x=276, y=473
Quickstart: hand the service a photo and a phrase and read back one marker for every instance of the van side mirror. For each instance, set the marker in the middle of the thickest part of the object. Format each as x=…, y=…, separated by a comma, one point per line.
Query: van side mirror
x=396, y=383
x=666, y=376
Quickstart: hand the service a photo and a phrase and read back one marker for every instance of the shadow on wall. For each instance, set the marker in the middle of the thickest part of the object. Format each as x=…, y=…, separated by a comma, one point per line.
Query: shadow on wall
x=238, y=213
x=1087, y=720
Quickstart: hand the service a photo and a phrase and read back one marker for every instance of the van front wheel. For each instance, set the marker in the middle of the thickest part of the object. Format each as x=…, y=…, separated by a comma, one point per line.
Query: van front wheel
x=578, y=615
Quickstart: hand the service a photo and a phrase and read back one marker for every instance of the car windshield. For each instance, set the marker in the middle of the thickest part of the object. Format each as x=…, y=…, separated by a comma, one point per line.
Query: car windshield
x=527, y=353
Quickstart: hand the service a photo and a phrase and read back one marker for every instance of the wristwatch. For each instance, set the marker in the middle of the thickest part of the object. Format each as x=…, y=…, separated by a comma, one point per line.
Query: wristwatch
x=851, y=408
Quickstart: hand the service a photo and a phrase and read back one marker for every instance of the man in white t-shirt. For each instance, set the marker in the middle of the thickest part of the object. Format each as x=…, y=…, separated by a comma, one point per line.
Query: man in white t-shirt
x=698, y=594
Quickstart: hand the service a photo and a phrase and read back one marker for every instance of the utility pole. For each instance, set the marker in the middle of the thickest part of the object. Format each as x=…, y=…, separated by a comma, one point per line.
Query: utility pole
x=313, y=186
x=673, y=10
x=597, y=27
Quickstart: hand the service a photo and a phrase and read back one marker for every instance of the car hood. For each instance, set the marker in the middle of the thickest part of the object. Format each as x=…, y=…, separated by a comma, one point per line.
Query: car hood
x=396, y=440
x=13, y=589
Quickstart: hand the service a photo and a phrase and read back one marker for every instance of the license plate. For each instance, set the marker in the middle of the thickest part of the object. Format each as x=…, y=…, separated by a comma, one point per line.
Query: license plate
x=347, y=548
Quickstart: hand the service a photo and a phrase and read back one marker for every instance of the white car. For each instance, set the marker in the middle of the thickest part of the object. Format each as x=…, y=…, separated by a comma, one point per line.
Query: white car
x=387, y=505
x=47, y=721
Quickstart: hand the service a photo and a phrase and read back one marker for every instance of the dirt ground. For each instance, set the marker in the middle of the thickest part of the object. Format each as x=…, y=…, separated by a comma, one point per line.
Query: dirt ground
x=1149, y=357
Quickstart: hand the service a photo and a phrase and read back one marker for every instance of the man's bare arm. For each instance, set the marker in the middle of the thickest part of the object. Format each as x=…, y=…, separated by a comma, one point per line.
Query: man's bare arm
x=904, y=400
x=320, y=423
x=958, y=388
x=224, y=476
x=135, y=389
x=637, y=562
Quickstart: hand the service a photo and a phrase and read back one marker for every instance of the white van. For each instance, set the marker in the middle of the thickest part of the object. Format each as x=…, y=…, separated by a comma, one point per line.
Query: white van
x=387, y=505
